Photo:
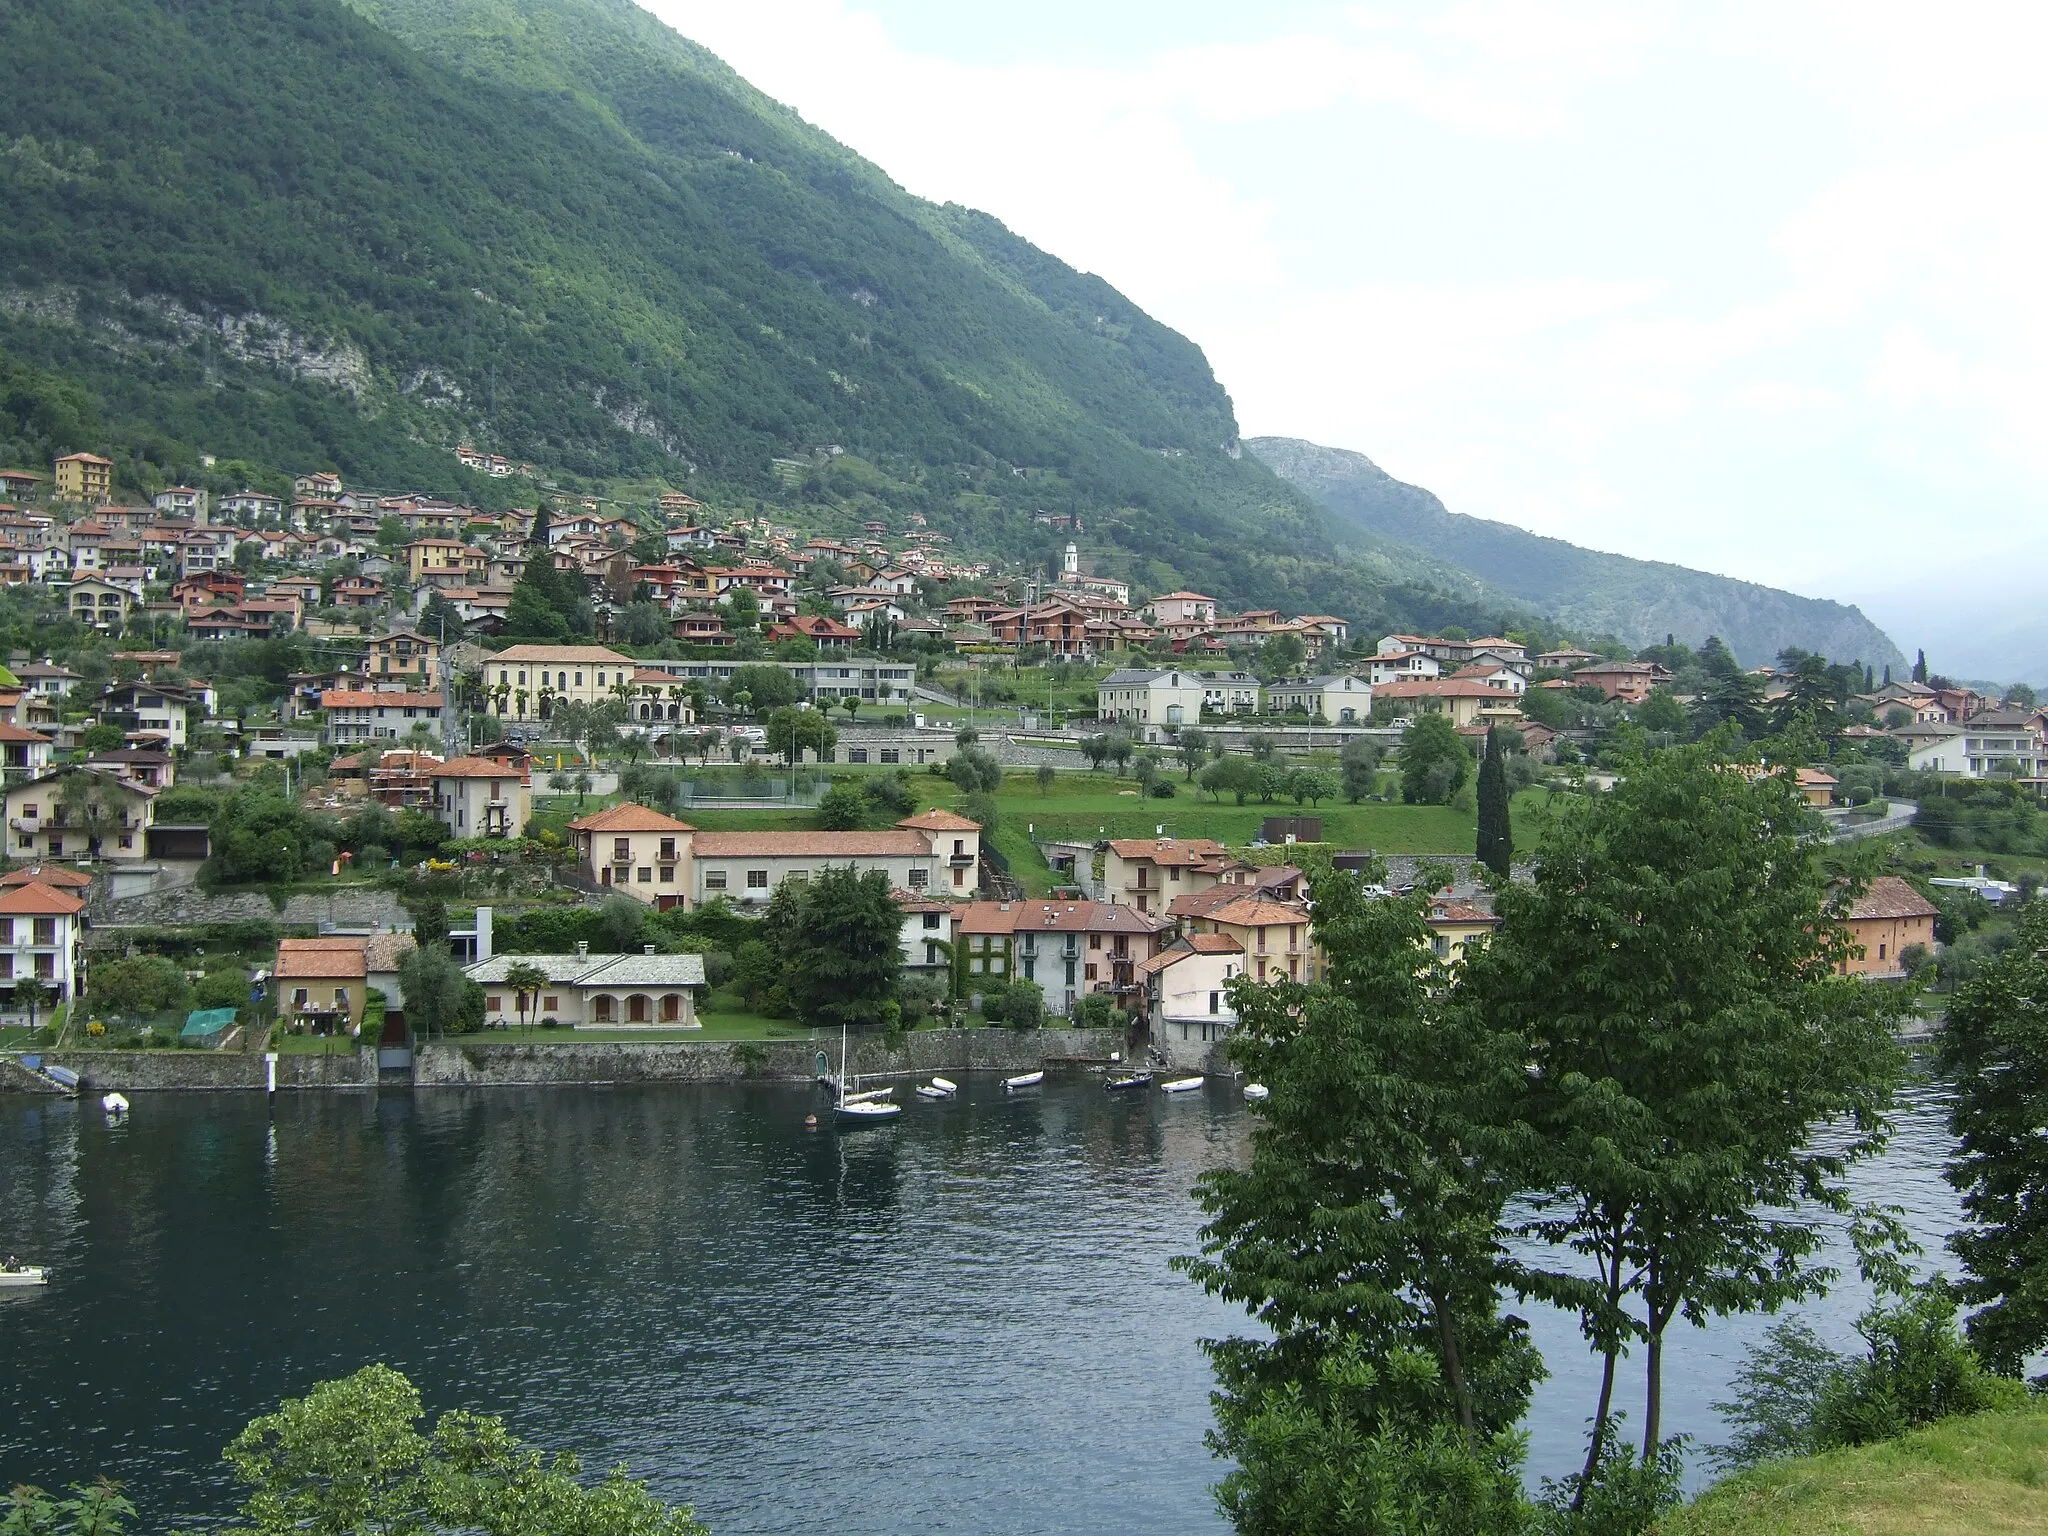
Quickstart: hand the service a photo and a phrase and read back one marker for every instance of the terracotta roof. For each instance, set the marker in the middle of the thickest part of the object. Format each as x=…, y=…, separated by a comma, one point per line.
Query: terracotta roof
x=1202, y=903
x=811, y=845
x=1253, y=912
x=321, y=959
x=1214, y=944
x=939, y=819
x=1169, y=851
x=359, y=698
x=1890, y=896
x=38, y=901
x=917, y=901
x=11, y=732
x=1043, y=916
x=48, y=874
x=473, y=768
x=628, y=817
x=1461, y=912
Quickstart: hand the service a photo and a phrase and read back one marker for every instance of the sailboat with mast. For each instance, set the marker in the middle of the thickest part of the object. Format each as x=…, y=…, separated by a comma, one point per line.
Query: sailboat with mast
x=855, y=1108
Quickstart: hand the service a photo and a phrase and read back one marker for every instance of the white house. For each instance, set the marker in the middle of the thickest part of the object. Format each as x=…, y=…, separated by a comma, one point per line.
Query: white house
x=644, y=991
x=1338, y=698
x=1404, y=666
x=1148, y=699
x=482, y=796
x=41, y=936
x=1187, y=995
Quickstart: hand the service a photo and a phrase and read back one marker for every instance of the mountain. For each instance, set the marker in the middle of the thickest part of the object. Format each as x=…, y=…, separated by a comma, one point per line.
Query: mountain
x=1639, y=601
x=298, y=233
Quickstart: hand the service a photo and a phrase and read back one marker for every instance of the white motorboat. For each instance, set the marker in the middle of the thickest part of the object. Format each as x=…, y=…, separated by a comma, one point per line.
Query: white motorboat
x=1257, y=1092
x=116, y=1106
x=13, y=1275
x=869, y=1108
x=1182, y=1085
x=945, y=1085
x=932, y=1091
x=1024, y=1080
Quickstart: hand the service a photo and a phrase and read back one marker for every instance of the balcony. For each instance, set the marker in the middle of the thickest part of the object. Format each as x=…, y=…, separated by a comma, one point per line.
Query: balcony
x=960, y=860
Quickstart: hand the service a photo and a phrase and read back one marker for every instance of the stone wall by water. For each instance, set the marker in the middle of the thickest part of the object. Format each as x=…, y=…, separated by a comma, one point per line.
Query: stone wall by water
x=209, y=1071
x=467, y=1064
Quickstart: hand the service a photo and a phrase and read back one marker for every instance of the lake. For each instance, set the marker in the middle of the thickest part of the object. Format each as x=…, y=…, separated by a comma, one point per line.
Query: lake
x=961, y=1321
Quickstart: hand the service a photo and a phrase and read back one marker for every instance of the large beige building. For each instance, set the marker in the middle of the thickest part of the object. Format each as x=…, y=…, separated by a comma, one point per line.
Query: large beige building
x=110, y=821
x=525, y=682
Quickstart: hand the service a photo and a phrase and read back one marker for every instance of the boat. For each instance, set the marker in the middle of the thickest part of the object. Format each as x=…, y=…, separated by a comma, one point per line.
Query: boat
x=945, y=1085
x=932, y=1091
x=1125, y=1081
x=1257, y=1092
x=870, y=1108
x=116, y=1106
x=1183, y=1085
x=1024, y=1080
x=14, y=1274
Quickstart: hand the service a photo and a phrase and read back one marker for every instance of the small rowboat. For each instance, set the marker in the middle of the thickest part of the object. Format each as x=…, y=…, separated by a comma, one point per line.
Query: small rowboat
x=866, y=1111
x=1183, y=1085
x=1257, y=1092
x=1127, y=1081
x=13, y=1275
x=1024, y=1080
x=945, y=1085
x=932, y=1091
x=116, y=1106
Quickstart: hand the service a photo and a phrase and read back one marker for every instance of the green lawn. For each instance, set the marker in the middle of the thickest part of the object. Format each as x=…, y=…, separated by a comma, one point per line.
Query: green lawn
x=1977, y=1476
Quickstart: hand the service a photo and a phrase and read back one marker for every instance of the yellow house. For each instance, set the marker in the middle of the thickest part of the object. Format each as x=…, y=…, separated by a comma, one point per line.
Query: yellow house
x=956, y=844
x=1455, y=927
x=1273, y=936
x=406, y=655
x=449, y=562
x=84, y=477
x=321, y=984
x=525, y=682
x=640, y=852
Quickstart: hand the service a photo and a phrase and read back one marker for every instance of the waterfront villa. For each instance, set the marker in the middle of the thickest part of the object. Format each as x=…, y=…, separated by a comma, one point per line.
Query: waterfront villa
x=643, y=991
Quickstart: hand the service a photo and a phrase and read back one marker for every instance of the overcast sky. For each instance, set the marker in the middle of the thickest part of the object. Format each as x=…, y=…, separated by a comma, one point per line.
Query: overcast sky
x=1759, y=288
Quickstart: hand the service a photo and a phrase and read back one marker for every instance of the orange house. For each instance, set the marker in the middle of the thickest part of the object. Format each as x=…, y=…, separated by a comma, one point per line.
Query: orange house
x=1885, y=920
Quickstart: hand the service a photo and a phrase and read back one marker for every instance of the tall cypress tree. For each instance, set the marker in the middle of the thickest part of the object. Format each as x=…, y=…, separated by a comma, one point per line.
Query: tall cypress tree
x=1920, y=667
x=1496, y=848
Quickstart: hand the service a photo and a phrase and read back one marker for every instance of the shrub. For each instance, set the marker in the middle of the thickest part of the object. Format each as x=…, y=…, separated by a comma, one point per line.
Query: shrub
x=1021, y=1005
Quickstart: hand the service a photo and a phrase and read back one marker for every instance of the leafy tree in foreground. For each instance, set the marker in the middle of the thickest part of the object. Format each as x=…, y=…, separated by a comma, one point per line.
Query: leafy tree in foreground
x=94, y=1509
x=1994, y=1048
x=1674, y=971
x=1365, y=1233
x=1496, y=848
x=438, y=997
x=349, y=1456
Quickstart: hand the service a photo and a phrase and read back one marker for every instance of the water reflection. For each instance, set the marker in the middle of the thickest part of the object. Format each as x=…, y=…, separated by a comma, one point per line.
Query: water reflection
x=963, y=1320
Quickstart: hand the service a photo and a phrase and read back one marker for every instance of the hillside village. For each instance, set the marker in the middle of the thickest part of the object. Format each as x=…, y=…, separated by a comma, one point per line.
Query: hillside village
x=526, y=708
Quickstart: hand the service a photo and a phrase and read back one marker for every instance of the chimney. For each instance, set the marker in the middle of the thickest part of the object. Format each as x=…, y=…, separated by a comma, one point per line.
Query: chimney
x=582, y=949
x=647, y=949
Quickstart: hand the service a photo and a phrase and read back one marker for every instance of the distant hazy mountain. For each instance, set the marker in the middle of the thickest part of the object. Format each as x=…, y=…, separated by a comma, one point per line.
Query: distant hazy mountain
x=1640, y=601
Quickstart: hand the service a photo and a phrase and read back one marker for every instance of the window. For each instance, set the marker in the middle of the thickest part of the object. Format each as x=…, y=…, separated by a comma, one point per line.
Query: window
x=1173, y=874
x=646, y=874
x=891, y=755
x=668, y=874
x=341, y=998
x=918, y=878
x=1215, y=1002
x=856, y=754
x=931, y=919
x=551, y=1003
x=494, y=1005
x=46, y=930
x=6, y=930
x=25, y=840
x=622, y=850
x=1088, y=972
x=757, y=879
x=668, y=850
x=1095, y=941
x=298, y=997
x=29, y=811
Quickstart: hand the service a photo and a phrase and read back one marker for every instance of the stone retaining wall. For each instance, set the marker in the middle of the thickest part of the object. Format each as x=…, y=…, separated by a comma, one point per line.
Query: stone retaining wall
x=361, y=906
x=453, y=1064
x=208, y=1071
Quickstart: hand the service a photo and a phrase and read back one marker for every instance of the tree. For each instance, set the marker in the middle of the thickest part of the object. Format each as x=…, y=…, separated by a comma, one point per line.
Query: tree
x=1193, y=749
x=792, y=731
x=1096, y=750
x=1736, y=699
x=93, y=802
x=94, y=1509
x=429, y=919
x=1232, y=775
x=1119, y=749
x=1021, y=1005
x=1920, y=667
x=438, y=997
x=348, y=1456
x=980, y=808
x=525, y=980
x=844, y=808
x=31, y=994
x=1431, y=743
x=137, y=984
x=766, y=688
x=102, y=738
x=581, y=784
x=1496, y=847
x=851, y=704
x=1673, y=970
x=1661, y=711
x=743, y=610
x=1046, y=775
x=847, y=951
x=1994, y=1048
x=1263, y=748
x=975, y=771
x=1282, y=656
x=1312, y=785
x=1358, y=769
x=1364, y=1233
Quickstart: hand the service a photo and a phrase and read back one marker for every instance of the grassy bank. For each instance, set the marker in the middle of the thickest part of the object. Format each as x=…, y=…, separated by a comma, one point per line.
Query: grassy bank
x=1980, y=1476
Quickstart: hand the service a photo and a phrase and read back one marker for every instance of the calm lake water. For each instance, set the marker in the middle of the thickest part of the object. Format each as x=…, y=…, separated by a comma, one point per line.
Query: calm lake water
x=962, y=1321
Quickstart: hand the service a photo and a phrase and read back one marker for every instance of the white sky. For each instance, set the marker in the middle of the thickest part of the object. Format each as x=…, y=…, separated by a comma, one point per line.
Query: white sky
x=1753, y=287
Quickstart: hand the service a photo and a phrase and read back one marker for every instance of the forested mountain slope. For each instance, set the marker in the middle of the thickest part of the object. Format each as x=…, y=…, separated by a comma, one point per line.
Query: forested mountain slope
x=297, y=233
x=1640, y=601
